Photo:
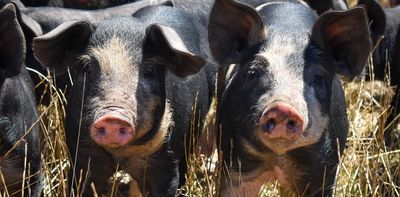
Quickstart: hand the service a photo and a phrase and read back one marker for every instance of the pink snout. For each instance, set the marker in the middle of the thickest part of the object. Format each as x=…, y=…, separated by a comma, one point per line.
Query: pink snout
x=282, y=121
x=112, y=130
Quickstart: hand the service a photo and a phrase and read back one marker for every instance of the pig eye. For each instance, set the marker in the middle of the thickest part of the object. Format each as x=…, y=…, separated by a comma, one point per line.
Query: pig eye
x=149, y=73
x=253, y=74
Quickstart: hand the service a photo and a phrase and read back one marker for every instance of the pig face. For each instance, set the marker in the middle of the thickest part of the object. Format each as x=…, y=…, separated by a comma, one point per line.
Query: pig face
x=278, y=94
x=121, y=71
x=284, y=108
x=122, y=95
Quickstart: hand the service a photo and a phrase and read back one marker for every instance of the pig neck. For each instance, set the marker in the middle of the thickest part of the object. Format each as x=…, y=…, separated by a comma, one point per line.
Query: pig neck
x=281, y=169
x=256, y=167
x=152, y=145
x=250, y=185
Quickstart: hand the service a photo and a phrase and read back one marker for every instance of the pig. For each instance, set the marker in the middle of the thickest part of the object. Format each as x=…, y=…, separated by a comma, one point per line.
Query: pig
x=385, y=35
x=19, y=136
x=137, y=79
x=282, y=112
x=36, y=21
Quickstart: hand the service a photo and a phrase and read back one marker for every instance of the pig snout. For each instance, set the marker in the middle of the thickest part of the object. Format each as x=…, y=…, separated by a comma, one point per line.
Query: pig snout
x=282, y=121
x=112, y=129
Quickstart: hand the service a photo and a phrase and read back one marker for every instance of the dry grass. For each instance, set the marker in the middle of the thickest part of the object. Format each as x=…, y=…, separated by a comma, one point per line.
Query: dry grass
x=56, y=161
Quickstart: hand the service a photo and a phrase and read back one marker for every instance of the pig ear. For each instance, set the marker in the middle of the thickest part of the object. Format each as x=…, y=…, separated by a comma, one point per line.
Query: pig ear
x=376, y=17
x=173, y=49
x=60, y=48
x=12, y=42
x=29, y=26
x=232, y=28
x=345, y=36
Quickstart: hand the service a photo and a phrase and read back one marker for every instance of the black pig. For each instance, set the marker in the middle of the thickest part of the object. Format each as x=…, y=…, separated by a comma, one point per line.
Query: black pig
x=283, y=113
x=385, y=34
x=36, y=21
x=19, y=131
x=129, y=105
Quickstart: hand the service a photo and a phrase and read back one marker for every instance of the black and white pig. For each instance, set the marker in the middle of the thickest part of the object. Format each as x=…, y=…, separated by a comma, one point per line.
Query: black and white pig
x=19, y=130
x=129, y=105
x=36, y=21
x=385, y=35
x=282, y=113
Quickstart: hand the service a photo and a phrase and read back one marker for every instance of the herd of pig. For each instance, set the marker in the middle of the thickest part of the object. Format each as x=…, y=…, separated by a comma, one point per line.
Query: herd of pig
x=133, y=73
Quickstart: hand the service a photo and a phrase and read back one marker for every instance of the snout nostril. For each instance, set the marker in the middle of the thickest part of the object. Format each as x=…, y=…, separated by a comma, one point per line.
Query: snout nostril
x=292, y=125
x=269, y=125
x=101, y=131
x=122, y=131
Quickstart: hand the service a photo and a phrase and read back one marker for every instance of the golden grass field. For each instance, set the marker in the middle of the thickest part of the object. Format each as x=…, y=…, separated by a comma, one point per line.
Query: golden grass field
x=366, y=167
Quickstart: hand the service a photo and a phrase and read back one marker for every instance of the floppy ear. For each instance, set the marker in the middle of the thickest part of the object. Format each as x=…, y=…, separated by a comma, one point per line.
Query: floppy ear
x=60, y=48
x=29, y=26
x=232, y=28
x=173, y=49
x=376, y=17
x=345, y=36
x=12, y=42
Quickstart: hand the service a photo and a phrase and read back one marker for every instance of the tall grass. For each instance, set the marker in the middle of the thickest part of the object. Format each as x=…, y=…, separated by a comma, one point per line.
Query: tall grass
x=56, y=162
